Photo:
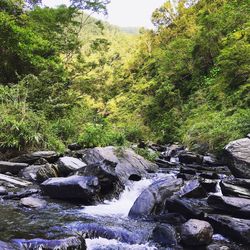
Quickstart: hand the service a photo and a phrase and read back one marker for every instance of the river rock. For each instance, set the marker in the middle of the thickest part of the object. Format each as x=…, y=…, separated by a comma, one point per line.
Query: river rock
x=11, y=167
x=238, y=182
x=184, y=207
x=78, y=188
x=14, y=180
x=209, y=185
x=233, y=190
x=3, y=191
x=193, y=189
x=47, y=171
x=67, y=164
x=31, y=158
x=172, y=151
x=128, y=162
x=210, y=160
x=169, y=218
x=196, y=233
x=42, y=244
x=74, y=146
x=165, y=235
x=237, y=156
x=151, y=200
x=190, y=158
x=237, y=229
x=107, y=177
x=30, y=173
x=230, y=205
x=19, y=195
x=32, y=202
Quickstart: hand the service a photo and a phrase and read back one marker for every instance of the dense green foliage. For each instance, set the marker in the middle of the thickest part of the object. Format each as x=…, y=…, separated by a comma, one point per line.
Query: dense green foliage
x=66, y=77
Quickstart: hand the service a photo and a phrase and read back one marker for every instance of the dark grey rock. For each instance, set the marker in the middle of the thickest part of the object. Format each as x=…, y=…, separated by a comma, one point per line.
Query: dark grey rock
x=237, y=156
x=30, y=173
x=239, y=207
x=3, y=191
x=20, y=195
x=165, y=235
x=169, y=218
x=193, y=189
x=75, y=188
x=190, y=158
x=196, y=233
x=151, y=200
x=107, y=177
x=209, y=185
x=31, y=158
x=47, y=171
x=233, y=190
x=42, y=244
x=234, y=228
x=11, y=167
x=74, y=146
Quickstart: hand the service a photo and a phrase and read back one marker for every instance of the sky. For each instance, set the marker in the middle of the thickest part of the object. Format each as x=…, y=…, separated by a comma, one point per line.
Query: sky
x=124, y=13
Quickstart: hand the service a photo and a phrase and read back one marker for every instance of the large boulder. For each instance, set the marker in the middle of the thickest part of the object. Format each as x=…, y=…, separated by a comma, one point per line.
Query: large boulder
x=42, y=244
x=107, y=177
x=75, y=188
x=165, y=235
x=67, y=164
x=128, y=162
x=196, y=233
x=230, y=205
x=151, y=201
x=31, y=158
x=11, y=167
x=237, y=156
x=237, y=229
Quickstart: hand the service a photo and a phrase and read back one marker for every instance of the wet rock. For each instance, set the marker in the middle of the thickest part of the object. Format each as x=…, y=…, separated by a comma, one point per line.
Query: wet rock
x=186, y=177
x=238, y=182
x=165, y=164
x=172, y=151
x=210, y=175
x=14, y=180
x=237, y=156
x=209, y=185
x=67, y=165
x=94, y=230
x=233, y=190
x=11, y=167
x=47, y=171
x=210, y=160
x=185, y=207
x=230, y=205
x=107, y=177
x=169, y=218
x=32, y=202
x=196, y=233
x=19, y=195
x=234, y=228
x=193, y=189
x=128, y=162
x=189, y=171
x=42, y=244
x=151, y=200
x=190, y=158
x=6, y=246
x=31, y=158
x=74, y=146
x=165, y=235
x=75, y=188
x=3, y=191
x=30, y=173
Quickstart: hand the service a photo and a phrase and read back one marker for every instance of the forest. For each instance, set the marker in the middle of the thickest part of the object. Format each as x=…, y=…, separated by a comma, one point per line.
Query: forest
x=67, y=77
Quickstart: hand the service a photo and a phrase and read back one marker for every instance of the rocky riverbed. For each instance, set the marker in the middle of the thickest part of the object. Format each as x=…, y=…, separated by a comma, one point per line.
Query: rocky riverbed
x=112, y=198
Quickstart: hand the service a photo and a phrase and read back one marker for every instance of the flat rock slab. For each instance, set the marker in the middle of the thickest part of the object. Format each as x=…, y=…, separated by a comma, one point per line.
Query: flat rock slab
x=11, y=167
x=68, y=164
x=231, y=205
x=14, y=180
x=237, y=229
x=32, y=202
x=80, y=188
x=31, y=158
x=193, y=189
x=234, y=190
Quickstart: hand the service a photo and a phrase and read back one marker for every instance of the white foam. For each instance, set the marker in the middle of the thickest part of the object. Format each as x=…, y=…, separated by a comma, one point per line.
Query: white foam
x=105, y=244
x=122, y=205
